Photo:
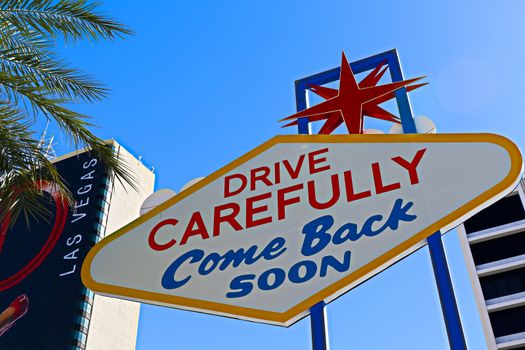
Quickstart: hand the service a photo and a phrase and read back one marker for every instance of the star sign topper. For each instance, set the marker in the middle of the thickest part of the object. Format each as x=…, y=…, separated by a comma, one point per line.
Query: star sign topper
x=353, y=100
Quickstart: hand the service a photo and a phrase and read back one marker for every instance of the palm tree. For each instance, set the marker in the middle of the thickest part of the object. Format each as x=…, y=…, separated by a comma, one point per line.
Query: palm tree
x=34, y=84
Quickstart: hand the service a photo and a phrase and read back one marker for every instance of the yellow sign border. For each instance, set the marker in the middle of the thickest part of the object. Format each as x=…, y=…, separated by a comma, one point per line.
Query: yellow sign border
x=302, y=308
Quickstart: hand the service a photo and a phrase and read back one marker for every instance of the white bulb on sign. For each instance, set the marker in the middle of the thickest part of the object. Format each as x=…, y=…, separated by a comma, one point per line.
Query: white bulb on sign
x=155, y=199
x=372, y=131
x=396, y=129
x=191, y=183
x=424, y=125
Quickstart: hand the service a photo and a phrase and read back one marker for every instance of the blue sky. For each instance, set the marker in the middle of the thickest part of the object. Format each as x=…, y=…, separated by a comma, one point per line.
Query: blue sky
x=201, y=83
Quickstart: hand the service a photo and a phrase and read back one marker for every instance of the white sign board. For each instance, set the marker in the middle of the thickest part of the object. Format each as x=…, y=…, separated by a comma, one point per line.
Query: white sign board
x=301, y=219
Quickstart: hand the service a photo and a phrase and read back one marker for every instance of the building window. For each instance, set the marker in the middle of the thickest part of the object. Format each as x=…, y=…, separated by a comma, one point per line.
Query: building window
x=505, y=283
x=507, y=322
x=80, y=338
x=504, y=211
x=85, y=307
x=88, y=292
x=498, y=248
x=82, y=323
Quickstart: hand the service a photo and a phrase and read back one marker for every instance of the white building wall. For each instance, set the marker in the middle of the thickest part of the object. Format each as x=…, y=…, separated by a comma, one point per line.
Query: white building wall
x=485, y=307
x=114, y=322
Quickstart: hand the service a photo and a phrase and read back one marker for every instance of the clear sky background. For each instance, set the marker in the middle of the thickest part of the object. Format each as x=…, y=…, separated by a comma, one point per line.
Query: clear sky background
x=203, y=82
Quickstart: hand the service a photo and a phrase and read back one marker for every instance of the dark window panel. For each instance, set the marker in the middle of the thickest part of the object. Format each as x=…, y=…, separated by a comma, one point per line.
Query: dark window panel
x=505, y=283
x=504, y=211
x=499, y=248
x=507, y=322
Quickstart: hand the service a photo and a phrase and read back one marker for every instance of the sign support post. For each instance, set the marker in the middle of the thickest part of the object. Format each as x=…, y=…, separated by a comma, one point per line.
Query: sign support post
x=447, y=298
x=449, y=306
x=319, y=326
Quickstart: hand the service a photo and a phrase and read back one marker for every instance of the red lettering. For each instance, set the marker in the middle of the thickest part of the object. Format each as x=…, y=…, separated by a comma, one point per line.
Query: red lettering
x=412, y=165
x=312, y=161
x=251, y=210
x=254, y=177
x=227, y=189
x=294, y=173
x=151, y=239
x=219, y=218
x=277, y=172
x=350, y=192
x=378, y=181
x=199, y=230
x=282, y=202
x=312, y=198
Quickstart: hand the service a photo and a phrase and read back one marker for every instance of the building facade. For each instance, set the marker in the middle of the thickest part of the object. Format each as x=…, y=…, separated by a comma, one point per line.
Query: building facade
x=43, y=303
x=493, y=244
x=114, y=322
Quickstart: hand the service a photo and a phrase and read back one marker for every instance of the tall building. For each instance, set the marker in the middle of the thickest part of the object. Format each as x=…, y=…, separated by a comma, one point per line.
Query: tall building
x=493, y=244
x=43, y=303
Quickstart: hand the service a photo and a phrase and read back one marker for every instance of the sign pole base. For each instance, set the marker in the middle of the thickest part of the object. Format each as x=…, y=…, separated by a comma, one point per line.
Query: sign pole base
x=319, y=327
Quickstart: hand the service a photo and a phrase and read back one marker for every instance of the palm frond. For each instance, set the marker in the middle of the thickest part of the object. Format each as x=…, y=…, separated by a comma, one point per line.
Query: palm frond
x=28, y=54
x=35, y=83
x=74, y=20
x=23, y=163
x=72, y=123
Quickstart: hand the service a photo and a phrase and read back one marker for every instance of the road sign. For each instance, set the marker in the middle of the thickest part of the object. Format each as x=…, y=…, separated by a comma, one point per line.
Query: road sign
x=299, y=220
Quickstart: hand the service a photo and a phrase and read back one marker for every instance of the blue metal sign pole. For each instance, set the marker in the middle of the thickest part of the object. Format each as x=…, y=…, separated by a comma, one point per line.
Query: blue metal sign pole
x=435, y=244
x=319, y=327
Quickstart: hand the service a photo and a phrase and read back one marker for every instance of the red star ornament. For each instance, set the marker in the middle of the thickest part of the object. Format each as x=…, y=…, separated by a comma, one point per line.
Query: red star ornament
x=371, y=109
x=350, y=99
